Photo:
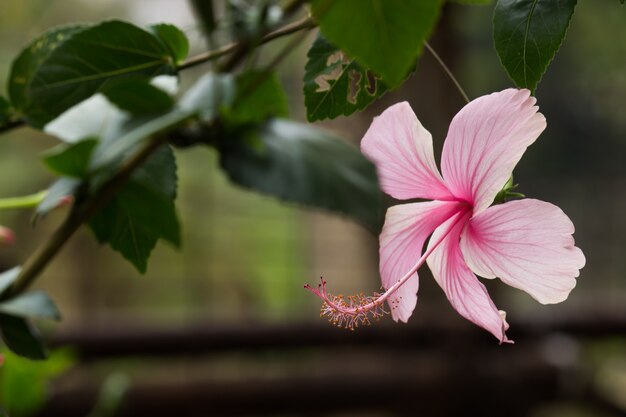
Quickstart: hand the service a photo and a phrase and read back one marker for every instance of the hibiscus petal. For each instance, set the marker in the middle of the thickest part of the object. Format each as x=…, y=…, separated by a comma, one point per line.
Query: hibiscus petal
x=528, y=244
x=406, y=228
x=467, y=295
x=402, y=150
x=486, y=140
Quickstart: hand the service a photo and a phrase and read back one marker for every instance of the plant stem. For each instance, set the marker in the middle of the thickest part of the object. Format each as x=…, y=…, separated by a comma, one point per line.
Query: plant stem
x=27, y=201
x=447, y=71
x=305, y=23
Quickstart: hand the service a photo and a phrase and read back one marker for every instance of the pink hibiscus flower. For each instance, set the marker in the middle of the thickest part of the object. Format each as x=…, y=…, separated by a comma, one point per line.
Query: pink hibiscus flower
x=526, y=243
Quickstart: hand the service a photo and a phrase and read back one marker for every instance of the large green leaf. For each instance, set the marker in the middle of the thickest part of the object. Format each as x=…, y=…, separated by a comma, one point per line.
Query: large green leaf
x=34, y=304
x=259, y=96
x=385, y=35
x=335, y=85
x=527, y=34
x=77, y=62
x=21, y=337
x=300, y=164
x=142, y=212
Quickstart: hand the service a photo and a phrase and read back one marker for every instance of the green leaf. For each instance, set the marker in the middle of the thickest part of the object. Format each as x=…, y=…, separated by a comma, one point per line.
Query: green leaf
x=82, y=63
x=21, y=337
x=386, y=36
x=300, y=164
x=527, y=34
x=59, y=190
x=142, y=212
x=8, y=277
x=34, y=304
x=335, y=85
x=259, y=96
x=174, y=39
x=138, y=97
x=70, y=160
x=24, y=384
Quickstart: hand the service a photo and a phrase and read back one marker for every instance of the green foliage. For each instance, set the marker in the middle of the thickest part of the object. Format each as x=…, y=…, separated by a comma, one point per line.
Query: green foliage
x=259, y=96
x=335, y=85
x=138, y=97
x=527, y=34
x=24, y=383
x=174, y=39
x=385, y=35
x=71, y=160
x=67, y=65
x=142, y=212
x=22, y=337
x=300, y=164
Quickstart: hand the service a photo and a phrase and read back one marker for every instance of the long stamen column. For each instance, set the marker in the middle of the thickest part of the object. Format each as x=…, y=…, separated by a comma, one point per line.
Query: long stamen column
x=356, y=310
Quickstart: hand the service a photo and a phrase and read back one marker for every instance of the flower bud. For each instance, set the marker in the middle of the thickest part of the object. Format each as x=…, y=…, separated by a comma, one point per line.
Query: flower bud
x=7, y=237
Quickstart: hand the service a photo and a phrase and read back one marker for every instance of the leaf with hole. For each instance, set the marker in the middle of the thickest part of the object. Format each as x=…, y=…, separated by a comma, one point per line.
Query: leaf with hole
x=22, y=337
x=386, y=36
x=336, y=85
x=297, y=163
x=527, y=34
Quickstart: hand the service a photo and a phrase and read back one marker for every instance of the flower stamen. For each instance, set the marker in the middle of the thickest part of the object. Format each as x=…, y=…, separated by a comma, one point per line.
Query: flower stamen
x=358, y=310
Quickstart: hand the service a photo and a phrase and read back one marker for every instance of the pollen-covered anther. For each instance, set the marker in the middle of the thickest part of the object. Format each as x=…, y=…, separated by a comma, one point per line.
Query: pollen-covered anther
x=349, y=312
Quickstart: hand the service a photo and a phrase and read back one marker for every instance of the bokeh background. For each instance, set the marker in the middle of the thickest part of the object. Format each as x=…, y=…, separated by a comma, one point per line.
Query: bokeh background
x=224, y=327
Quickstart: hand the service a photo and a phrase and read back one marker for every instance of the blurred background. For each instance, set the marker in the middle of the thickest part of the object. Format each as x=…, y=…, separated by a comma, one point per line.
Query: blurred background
x=224, y=327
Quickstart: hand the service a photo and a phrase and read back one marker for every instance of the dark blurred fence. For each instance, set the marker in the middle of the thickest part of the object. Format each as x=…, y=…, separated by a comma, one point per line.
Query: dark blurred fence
x=385, y=370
